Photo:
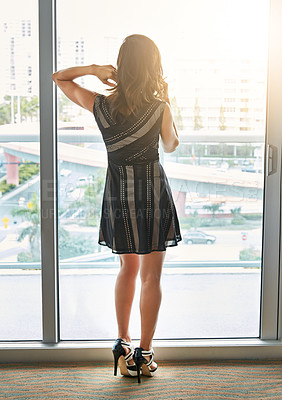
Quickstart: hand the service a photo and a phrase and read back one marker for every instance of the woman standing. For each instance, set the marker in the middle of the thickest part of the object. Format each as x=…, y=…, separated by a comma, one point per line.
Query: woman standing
x=138, y=219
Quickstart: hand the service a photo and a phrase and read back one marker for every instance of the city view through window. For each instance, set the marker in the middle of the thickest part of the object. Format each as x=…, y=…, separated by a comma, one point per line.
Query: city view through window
x=216, y=69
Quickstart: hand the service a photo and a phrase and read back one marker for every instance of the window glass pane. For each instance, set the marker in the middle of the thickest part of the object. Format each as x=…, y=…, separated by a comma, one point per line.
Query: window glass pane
x=20, y=261
x=216, y=69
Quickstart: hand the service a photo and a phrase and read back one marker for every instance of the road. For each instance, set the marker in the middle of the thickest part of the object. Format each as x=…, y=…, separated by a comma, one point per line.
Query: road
x=226, y=248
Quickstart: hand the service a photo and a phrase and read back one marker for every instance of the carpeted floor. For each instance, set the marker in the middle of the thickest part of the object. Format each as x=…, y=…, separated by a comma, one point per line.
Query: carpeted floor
x=233, y=379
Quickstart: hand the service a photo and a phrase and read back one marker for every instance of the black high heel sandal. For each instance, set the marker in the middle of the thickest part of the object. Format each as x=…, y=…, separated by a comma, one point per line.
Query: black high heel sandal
x=139, y=359
x=121, y=359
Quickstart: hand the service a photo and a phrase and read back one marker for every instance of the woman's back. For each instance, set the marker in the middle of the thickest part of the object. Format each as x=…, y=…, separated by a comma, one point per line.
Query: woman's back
x=132, y=139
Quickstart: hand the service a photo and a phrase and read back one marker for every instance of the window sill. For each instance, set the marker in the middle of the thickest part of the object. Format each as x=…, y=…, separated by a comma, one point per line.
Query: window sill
x=166, y=350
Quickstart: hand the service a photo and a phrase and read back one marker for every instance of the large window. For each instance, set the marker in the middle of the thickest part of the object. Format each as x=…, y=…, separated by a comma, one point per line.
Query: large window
x=20, y=257
x=217, y=88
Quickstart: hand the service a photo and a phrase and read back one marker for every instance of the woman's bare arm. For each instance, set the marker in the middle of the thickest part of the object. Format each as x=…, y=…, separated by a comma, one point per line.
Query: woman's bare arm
x=174, y=126
x=76, y=93
x=169, y=134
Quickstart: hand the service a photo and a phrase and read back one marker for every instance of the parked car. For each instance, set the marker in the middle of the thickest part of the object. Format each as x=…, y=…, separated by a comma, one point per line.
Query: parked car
x=198, y=237
x=65, y=172
x=85, y=180
x=251, y=168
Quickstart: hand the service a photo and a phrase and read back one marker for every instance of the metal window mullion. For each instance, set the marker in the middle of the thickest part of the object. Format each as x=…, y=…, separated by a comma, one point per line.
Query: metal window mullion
x=272, y=199
x=48, y=172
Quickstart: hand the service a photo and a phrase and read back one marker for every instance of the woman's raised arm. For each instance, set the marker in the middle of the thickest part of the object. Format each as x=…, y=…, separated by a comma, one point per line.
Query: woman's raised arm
x=76, y=93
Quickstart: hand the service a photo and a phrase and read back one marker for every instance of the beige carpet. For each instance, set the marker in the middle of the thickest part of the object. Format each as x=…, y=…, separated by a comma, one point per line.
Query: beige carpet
x=248, y=379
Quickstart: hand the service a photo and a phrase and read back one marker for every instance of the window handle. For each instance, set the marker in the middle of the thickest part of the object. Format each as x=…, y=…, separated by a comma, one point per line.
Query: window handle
x=271, y=159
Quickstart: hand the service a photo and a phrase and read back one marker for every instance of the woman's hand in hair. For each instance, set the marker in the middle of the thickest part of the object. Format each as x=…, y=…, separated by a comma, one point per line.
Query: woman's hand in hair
x=104, y=73
x=80, y=95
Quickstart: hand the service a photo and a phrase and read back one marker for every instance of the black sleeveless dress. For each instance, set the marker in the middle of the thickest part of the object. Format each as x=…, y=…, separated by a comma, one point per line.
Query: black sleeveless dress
x=138, y=211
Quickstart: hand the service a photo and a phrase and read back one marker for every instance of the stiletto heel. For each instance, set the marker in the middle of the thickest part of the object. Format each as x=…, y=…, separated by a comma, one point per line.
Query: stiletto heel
x=121, y=359
x=138, y=366
x=116, y=357
x=139, y=359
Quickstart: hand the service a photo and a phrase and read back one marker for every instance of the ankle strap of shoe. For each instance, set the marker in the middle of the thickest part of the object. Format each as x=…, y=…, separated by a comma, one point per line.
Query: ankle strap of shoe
x=148, y=352
x=124, y=343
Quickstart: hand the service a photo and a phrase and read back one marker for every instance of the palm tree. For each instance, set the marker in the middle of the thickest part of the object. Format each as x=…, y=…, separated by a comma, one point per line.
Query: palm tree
x=29, y=107
x=68, y=246
x=176, y=113
x=238, y=219
x=31, y=213
x=197, y=117
x=235, y=211
x=213, y=208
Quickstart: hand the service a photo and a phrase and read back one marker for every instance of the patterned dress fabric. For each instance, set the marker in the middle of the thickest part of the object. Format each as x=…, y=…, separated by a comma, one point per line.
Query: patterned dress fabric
x=138, y=210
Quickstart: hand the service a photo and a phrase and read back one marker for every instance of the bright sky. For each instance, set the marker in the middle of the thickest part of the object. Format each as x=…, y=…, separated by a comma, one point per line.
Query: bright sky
x=201, y=28
x=181, y=28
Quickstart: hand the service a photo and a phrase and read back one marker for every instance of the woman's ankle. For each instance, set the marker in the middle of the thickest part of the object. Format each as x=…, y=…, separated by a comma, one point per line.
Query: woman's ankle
x=125, y=337
x=145, y=346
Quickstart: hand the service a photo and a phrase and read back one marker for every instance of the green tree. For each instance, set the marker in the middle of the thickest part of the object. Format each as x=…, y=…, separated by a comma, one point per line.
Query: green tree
x=68, y=246
x=222, y=125
x=250, y=254
x=29, y=108
x=27, y=170
x=91, y=199
x=5, y=114
x=237, y=218
x=197, y=117
x=5, y=187
x=73, y=246
x=176, y=113
x=213, y=208
x=236, y=210
x=30, y=213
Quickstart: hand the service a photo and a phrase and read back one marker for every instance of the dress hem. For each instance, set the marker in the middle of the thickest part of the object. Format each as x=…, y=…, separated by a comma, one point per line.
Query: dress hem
x=136, y=252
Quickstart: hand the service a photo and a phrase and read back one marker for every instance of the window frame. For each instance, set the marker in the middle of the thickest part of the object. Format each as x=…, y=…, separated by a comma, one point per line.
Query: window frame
x=51, y=348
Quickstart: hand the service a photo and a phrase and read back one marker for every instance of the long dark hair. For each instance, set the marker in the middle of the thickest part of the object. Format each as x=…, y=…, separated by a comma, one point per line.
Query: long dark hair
x=139, y=76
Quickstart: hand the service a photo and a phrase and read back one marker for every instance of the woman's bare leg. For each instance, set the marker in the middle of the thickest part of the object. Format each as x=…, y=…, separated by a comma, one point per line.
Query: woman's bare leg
x=151, y=295
x=124, y=293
